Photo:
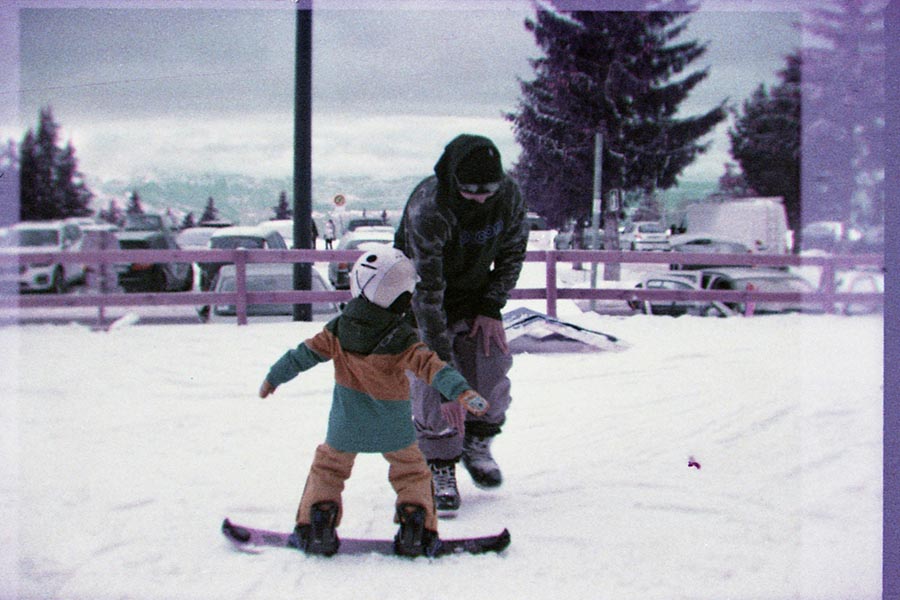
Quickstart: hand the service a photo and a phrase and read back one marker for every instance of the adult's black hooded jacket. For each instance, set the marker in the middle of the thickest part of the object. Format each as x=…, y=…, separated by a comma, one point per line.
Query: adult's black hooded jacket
x=468, y=255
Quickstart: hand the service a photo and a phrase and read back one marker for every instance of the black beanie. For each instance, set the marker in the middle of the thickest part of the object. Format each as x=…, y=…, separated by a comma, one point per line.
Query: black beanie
x=481, y=165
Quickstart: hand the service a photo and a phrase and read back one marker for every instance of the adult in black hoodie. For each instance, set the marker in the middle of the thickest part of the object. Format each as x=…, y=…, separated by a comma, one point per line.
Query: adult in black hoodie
x=465, y=230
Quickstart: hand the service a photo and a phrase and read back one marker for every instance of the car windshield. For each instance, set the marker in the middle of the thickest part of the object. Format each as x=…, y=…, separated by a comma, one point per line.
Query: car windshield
x=259, y=283
x=238, y=241
x=33, y=238
x=667, y=284
x=152, y=243
x=357, y=223
x=651, y=228
x=143, y=223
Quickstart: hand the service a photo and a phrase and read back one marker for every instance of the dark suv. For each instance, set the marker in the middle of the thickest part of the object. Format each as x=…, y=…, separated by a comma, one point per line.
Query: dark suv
x=153, y=277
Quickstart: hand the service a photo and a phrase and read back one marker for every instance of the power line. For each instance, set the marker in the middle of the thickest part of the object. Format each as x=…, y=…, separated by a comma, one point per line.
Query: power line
x=112, y=82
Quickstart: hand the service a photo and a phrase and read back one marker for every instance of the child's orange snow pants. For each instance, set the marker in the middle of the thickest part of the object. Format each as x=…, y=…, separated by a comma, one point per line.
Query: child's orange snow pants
x=408, y=473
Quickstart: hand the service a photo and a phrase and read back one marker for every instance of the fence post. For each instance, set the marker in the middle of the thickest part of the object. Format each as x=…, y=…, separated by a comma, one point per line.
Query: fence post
x=750, y=306
x=550, y=258
x=240, y=277
x=828, y=286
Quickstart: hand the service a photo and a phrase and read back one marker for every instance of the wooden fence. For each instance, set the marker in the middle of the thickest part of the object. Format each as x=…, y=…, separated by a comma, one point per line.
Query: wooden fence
x=103, y=263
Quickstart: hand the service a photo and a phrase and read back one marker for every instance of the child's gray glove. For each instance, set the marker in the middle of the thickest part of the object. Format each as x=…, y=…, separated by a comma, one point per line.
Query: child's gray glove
x=455, y=412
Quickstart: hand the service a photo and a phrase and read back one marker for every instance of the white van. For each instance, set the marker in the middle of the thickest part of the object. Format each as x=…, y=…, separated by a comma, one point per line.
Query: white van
x=760, y=224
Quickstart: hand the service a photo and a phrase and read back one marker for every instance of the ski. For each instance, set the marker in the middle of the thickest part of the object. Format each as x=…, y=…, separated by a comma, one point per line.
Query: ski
x=251, y=539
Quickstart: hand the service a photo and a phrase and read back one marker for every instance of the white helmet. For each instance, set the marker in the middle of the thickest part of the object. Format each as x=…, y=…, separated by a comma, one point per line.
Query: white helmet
x=382, y=274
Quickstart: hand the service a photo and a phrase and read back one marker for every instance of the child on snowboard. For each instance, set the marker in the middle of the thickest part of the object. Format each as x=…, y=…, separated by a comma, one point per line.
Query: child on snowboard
x=372, y=346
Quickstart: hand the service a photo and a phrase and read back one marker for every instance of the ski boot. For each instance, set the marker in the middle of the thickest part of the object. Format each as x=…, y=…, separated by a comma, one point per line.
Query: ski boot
x=478, y=461
x=443, y=478
x=319, y=536
x=413, y=539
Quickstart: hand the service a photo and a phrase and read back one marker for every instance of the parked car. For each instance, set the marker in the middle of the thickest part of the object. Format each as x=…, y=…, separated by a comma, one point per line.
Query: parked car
x=726, y=278
x=644, y=235
x=360, y=239
x=99, y=236
x=230, y=238
x=759, y=223
x=195, y=238
x=357, y=222
x=536, y=222
x=694, y=244
x=283, y=226
x=153, y=277
x=41, y=275
x=761, y=280
x=540, y=236
x=864, y=280
x=677, y=280
x=269, y=278
x=571, y=240
x=145, y=222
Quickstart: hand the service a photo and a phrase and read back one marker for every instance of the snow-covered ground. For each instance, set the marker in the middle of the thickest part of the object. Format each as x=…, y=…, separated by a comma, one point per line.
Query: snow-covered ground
x=123, y=450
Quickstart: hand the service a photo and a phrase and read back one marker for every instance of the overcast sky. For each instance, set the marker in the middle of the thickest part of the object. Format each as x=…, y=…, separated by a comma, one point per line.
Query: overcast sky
x=142, y=87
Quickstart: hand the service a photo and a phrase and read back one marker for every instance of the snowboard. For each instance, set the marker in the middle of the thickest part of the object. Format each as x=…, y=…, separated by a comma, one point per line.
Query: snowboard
x=251, y=539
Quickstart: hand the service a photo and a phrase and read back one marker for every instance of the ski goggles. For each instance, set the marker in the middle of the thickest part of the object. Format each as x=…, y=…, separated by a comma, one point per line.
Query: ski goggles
x=478, y=189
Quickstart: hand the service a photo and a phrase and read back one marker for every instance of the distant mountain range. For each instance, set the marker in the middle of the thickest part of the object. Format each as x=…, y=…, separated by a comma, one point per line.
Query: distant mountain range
x=247, y=200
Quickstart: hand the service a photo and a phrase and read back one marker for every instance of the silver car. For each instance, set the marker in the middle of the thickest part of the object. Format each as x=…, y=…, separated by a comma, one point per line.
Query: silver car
x=644, y=235
x=762, y=280
x=230, y=238
x=359, y=239
x=273, y=277
x=677, y=280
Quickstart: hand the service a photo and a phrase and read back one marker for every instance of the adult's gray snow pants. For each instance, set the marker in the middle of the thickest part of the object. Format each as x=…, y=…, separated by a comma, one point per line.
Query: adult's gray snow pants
x=486, y=374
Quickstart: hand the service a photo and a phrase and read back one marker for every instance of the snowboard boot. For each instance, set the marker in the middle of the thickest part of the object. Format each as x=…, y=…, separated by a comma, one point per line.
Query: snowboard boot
x=413, y=539
x=319, y=536
x=478, y=461
x=443, y=478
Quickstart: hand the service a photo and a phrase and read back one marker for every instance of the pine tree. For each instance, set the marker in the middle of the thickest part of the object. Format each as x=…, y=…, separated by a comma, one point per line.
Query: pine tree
x=210, y=213
x=283, y=209
x=113, y=215
x=844, y=112
x=50, y=185
x=765, y=141
x=612, y=73
x=733, y=184
x=134, y=204
x=72, y=193
x=188, y=221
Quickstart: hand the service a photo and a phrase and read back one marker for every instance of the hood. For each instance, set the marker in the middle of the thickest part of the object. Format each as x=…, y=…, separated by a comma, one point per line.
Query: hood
x=447, y=164
x=366, y=328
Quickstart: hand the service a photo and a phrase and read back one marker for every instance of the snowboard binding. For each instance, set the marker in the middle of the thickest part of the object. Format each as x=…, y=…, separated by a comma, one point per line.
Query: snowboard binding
x=320, y=535
x=413, y=539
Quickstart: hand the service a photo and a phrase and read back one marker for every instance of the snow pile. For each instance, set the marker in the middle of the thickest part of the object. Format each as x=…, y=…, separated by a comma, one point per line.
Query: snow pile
x=123, y=451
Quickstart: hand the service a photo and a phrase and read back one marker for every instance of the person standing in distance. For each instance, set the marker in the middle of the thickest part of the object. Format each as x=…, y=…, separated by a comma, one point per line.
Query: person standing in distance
x=465, y=230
